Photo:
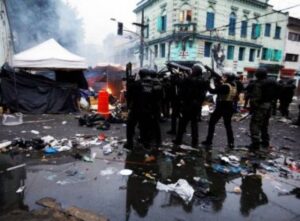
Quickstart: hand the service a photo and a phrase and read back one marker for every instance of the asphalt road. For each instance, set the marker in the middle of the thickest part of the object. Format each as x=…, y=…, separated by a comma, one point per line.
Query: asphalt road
x=100, y=188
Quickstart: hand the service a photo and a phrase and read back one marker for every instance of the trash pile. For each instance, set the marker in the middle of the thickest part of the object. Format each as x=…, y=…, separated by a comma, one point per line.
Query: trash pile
x=117, y=116
x=50, y=145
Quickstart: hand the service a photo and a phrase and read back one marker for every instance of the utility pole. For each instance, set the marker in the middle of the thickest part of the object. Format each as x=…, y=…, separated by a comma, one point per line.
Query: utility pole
x=142, y=26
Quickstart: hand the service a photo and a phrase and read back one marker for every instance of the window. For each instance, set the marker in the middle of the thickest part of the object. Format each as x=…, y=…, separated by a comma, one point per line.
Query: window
x=258, y=53
x=210, y=20
x=268, y=30
x=230, y=52
x=207, y=49
x=146, y=31
x=277, y=32
x=244, y=28
x=162, y=50
x=252, y=55
x=294, y=36
x=146, y=53
x=264, y=54
x=291, y=57
x=155, y=51
x=185, y=16
x=256, y=30
x=162, y=23
x=232, y=24
x=276, y=55
x=241, y=53
x=189, y=15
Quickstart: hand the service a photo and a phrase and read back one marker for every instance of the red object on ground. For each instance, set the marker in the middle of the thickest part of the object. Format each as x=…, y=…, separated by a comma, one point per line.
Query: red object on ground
x=101, y=137
x=103, y=107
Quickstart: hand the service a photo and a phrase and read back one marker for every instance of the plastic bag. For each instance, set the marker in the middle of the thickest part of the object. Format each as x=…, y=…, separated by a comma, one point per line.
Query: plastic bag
x=181, y=187
x=12, y=119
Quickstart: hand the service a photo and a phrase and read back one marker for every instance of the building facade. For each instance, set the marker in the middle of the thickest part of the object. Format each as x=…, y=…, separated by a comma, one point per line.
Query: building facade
x=292, y=49
x=250, y=33
x=5, y=49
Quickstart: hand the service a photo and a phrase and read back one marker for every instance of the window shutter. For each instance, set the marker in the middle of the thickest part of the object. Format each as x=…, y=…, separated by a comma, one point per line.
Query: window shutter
x=253, y=31
x=210, y=20
x=159, y=24
x=244, y=29
x=232, y=22
x=278, y=55
x=165, y=23
x=271, y=54
x=257, y=30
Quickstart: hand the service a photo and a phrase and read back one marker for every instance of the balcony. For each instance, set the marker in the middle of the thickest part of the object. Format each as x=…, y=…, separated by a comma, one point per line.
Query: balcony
x=190, y=27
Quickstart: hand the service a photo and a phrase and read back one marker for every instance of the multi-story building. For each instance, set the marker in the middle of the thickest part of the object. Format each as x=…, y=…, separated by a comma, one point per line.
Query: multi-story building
x=292, y=50
x=250, y=32
x=5, y=49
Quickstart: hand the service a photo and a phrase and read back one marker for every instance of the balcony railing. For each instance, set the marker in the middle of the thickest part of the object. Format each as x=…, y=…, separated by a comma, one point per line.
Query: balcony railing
x=190, y=27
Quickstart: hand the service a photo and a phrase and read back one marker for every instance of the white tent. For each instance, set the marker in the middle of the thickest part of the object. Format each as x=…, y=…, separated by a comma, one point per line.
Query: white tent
x=49, y=54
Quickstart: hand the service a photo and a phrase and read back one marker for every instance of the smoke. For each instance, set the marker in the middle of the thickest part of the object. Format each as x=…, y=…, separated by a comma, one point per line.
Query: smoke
x=35, y=21
x=119, y=49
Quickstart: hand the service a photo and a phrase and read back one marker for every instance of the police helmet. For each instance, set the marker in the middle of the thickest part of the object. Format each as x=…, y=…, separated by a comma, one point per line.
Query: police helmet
x=261, y=73
x=153, y=73
x=229, y=74
x=197, y=70
x=143, y=73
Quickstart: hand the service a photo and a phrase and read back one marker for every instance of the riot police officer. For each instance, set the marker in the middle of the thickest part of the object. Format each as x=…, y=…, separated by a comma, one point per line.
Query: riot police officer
x=192, y=93
x=226, y=91
x=263, y=93
x=134, y=101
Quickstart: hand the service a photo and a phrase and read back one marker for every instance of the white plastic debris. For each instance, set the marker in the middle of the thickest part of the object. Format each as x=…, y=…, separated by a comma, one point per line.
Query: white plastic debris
x=63, y=148
x=185, y=147
x=21, y=189
x=64, y=122
x=181, y=187
x=47, y=139
x=83, y=103
x=12, y=119
x=5, y=144
x=108, y=171
x=233, y=158
x=125, y=172
x=35, y=132
x=107, y=149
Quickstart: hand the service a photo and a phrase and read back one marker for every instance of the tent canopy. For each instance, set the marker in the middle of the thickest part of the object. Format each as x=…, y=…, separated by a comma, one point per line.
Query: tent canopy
x=48, y=54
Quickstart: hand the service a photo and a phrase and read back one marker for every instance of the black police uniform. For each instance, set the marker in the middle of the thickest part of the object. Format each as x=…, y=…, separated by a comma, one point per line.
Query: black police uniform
x=191, y=97
x=134, y=101
x=263, y=93
x=286, y=97
x=224, y=108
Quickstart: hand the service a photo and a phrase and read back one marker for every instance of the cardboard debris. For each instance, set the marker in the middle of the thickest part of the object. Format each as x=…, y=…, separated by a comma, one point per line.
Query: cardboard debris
x=84, y=215
x=49, y=202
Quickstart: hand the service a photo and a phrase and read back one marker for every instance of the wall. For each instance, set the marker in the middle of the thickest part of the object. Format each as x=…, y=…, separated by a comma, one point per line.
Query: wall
x=292, y=47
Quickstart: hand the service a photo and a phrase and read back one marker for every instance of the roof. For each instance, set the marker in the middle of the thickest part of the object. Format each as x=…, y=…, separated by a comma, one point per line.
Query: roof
x=48, y=54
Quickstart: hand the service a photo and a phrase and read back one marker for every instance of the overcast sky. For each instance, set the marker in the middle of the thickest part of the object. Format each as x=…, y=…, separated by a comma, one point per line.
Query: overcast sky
x=96, y=15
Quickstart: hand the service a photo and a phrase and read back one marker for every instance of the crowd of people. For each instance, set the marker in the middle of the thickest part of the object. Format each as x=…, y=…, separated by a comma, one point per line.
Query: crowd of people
x=179, y=95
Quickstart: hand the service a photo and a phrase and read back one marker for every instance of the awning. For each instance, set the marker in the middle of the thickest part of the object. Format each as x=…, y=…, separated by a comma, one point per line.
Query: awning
x=250, y=69
x=288, y=72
